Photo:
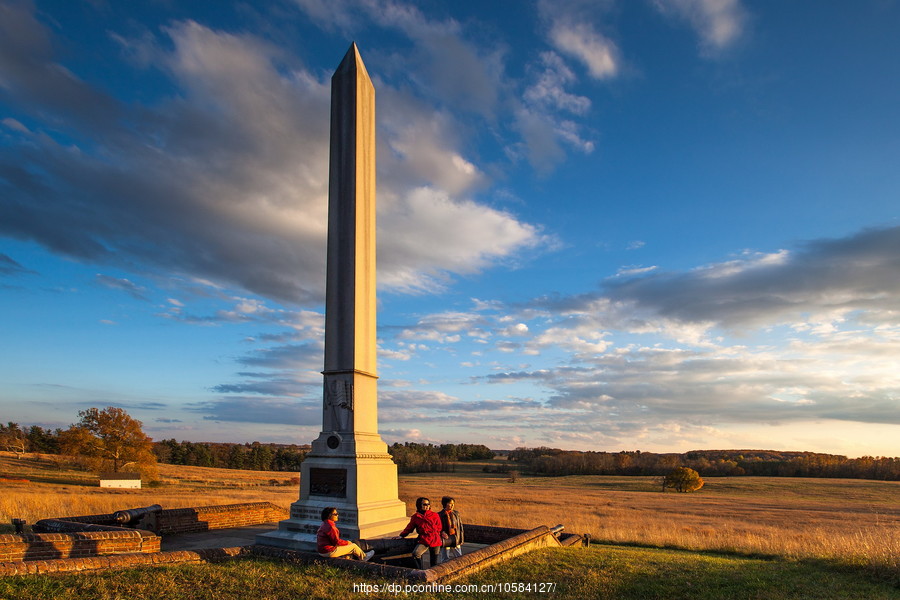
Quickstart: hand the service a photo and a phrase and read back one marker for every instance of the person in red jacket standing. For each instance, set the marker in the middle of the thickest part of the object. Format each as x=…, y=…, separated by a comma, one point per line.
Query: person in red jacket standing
x=428, y=525
x=328, y=539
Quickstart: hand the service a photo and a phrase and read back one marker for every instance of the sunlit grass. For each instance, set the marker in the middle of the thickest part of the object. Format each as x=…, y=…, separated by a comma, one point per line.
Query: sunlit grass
x=599, y=572
x=851, y=521
x=61, y=492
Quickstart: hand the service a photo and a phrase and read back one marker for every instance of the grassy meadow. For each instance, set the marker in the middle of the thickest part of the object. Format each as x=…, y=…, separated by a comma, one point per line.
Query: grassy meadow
x=599, y=572
x=849, y=520
x=762, y=527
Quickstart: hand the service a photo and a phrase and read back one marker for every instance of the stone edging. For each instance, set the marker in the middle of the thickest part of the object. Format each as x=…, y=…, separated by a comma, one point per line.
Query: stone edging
x=539, y=537
x=522, y=542
x=120, y=561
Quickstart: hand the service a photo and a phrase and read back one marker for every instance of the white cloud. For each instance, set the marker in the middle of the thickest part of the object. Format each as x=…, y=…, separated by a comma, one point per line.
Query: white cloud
x=634, y=270
x=444, y=328
x=542, y=118
x=818, y=282
x=437, y=234
x=446, y=66
x=15, y=125
x=332, y=14
x=386, y=354
x=227, y=183
x=719, y=23
x=580, y=339
x=125, y=285
x=519, y=329
x=549, y=89
x=421, y=147
x=448, y=70
x=819, y=341
x=541, y=132
x=582, y=42
x=454, y=69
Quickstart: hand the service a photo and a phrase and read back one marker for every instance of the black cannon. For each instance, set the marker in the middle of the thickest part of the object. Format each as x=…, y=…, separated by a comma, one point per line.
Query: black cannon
x=131, y=517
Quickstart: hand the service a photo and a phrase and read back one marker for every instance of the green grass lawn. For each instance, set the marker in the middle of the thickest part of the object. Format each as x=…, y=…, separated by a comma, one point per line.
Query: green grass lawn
x=613, y=572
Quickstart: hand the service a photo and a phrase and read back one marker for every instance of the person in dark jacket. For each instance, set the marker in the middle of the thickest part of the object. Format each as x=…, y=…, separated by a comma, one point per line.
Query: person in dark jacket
x=328, y=539
x=452, y=536
x=428, y=525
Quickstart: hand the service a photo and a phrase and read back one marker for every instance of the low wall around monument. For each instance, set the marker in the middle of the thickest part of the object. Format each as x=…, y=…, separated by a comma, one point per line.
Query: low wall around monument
x=206, y=518
x=49, y=546
x=89, y=536
x=118, y=561
x=91, y=542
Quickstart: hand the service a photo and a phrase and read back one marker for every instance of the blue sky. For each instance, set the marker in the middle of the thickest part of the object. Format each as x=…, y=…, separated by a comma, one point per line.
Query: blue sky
x=656, y=224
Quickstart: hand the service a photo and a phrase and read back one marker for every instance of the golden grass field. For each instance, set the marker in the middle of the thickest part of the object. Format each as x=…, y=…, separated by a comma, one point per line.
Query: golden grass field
x=852, y=521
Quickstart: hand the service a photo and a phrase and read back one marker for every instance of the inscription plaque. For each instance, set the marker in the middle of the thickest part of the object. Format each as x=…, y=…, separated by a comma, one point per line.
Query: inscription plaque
x=328, y=482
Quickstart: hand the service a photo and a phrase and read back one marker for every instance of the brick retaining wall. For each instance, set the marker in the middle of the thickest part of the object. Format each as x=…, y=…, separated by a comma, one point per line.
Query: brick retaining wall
x=119, y=561
x=204, y=518
x=48, y=546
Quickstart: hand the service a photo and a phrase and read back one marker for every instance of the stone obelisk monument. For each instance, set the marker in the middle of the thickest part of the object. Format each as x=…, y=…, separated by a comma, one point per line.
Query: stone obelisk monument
x=348, y=466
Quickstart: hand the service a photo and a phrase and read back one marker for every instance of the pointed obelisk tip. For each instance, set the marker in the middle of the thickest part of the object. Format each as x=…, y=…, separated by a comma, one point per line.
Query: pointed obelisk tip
x=352, y=61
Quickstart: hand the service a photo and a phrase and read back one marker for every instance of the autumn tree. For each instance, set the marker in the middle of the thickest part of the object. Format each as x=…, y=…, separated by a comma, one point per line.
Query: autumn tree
x=13, y=438
x=113, y=438
x=683, y=479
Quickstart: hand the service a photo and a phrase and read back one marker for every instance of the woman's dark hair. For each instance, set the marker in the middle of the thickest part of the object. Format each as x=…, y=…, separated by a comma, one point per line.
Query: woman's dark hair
x=419, y=502
x=447, y=500
x=327, y=511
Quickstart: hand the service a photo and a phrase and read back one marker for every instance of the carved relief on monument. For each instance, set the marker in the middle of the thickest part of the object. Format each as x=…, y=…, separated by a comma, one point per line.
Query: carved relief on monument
x=338, y=403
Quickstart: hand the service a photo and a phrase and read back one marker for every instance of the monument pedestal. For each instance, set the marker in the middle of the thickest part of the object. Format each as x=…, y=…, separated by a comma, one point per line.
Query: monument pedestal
x=361, y=484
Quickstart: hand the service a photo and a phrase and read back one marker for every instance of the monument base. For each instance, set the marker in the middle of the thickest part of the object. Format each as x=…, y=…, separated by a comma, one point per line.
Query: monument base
x=299, y=533
x=362, y=486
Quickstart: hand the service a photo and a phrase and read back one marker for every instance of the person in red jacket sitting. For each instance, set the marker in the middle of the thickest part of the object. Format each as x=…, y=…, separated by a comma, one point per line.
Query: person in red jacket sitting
x=428, y=525
x=328, y=539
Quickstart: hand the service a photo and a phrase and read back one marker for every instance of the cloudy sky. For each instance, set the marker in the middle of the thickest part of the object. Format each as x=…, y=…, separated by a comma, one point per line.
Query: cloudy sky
x=655, y=224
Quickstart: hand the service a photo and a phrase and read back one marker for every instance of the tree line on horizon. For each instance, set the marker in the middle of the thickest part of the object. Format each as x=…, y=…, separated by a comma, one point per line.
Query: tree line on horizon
x=89, y=450
x=109, y=438
x=253, y=456
x=413, y=457
x=709, y=463
x=410, y=457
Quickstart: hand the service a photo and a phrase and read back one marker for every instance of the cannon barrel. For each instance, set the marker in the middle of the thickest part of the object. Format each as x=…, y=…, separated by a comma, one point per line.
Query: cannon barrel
x=63, y=526
x=133, y=515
